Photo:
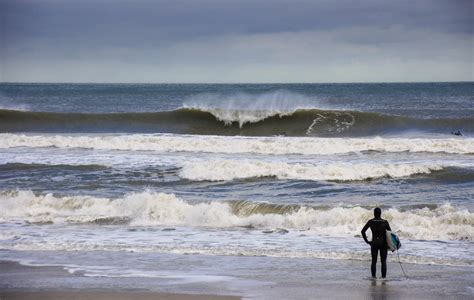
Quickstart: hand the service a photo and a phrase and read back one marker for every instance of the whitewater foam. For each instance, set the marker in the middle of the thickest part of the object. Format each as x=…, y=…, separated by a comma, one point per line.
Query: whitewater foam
x=333, y=123
x=151, y=209
x=219, y=170
x=257, y=145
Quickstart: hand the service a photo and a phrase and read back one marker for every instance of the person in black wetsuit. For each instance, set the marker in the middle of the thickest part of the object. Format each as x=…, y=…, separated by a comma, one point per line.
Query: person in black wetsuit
x=378, y=226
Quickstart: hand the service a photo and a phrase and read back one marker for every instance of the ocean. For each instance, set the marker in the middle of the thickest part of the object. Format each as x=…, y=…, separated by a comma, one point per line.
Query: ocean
x=238, y=171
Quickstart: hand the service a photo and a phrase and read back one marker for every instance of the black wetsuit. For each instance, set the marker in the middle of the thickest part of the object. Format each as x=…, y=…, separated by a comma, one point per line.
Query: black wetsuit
x=378, y=243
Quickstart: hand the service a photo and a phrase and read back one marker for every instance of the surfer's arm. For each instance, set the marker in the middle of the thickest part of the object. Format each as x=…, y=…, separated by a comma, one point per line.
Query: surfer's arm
x=363, y=232
x=388, y=226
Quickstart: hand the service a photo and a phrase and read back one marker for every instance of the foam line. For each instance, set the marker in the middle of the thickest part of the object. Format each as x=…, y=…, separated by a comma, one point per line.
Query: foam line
x=223, y=144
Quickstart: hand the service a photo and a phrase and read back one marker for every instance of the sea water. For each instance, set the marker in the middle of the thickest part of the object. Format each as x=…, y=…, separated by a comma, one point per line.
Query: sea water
x=241, y=170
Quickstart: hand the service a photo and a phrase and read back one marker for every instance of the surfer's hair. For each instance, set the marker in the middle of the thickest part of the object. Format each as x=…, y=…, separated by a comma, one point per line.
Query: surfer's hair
x=377, y=212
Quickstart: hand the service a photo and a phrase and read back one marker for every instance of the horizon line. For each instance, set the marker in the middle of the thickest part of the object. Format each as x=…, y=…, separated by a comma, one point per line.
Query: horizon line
x=228, y=83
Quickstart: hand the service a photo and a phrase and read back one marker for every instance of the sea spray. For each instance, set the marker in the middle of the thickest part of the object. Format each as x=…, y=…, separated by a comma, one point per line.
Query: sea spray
x=245, y=108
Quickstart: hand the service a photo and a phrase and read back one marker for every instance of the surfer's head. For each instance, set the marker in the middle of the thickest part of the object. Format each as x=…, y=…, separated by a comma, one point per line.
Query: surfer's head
x=377, y=212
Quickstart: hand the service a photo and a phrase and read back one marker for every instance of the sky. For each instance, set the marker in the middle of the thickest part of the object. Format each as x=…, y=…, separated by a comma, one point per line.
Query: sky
x=236, y=41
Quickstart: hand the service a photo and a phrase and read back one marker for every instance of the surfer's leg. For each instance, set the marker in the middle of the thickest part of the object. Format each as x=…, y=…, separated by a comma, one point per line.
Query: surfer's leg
x=373, y=250
x=383, y=259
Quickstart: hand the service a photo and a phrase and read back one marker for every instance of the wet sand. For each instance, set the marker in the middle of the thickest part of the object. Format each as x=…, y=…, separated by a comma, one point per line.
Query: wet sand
x=15, y=270
x=249, y=278
x=103, y=295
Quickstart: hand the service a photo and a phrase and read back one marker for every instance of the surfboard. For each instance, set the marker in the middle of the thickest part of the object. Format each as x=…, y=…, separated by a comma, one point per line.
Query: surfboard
x=393, y=242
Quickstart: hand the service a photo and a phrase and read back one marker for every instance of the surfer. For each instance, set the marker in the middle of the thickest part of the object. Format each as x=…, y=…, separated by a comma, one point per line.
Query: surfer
x=457, y=132
x=378, y=226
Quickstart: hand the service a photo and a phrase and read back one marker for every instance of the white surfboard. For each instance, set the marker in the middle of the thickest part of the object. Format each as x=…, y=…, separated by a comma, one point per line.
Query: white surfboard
x=393, y=242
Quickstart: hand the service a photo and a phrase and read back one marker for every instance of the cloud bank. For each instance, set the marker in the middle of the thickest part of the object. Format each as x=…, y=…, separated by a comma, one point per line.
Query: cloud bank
x=236, y=41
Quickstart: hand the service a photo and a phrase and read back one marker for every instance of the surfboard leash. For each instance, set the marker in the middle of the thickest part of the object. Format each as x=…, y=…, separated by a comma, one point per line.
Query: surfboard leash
x=398, y=254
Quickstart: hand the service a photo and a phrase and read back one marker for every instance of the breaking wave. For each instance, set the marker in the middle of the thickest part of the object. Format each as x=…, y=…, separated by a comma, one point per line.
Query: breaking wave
x=443, y=222
x=220, y=121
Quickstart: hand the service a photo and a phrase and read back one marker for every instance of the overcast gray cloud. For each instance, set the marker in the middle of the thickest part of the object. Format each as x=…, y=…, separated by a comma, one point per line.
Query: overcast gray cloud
x=236, y=41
